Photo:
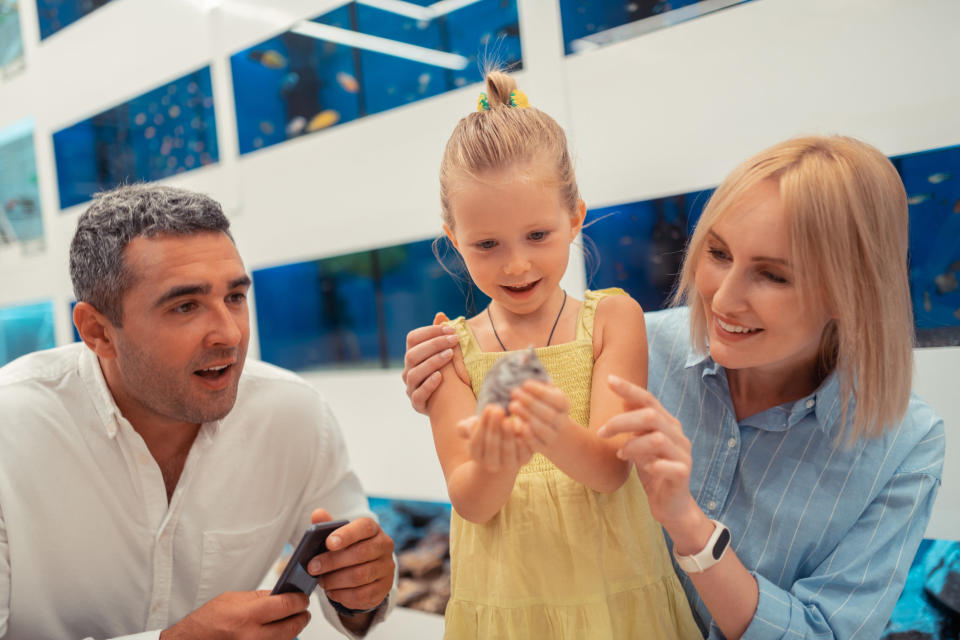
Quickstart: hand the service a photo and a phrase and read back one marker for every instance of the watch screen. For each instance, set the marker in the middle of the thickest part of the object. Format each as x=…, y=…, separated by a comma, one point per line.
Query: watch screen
x=721, y=544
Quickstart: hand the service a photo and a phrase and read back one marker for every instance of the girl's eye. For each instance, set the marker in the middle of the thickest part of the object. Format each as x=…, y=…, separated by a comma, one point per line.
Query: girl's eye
x=486, y=244
x=538, y=235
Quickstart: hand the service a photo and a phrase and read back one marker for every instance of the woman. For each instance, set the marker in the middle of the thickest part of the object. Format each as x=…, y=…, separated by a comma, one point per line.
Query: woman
x=778, y=443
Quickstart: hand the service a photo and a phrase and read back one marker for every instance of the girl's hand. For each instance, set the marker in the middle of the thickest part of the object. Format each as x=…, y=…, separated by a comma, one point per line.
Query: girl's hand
x=494, y=442
x=658, y=449
x=542, y=410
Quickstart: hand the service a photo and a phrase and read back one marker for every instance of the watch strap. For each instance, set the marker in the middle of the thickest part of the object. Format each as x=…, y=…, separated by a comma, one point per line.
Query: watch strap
x=711, y=553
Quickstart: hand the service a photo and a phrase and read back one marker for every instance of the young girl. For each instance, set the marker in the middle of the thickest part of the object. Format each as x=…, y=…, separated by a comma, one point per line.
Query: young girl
x=551, y=534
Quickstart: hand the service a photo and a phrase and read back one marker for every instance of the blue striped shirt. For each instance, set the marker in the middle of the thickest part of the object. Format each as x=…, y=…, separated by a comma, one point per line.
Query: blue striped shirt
x=828, y=531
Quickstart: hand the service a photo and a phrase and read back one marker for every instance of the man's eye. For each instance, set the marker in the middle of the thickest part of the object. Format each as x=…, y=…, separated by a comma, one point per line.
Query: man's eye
x=186, y=307
x=237, y=297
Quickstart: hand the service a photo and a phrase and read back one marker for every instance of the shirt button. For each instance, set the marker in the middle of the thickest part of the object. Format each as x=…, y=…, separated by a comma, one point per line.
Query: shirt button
x=712, y=505
x=731, y=443
x=810, y=403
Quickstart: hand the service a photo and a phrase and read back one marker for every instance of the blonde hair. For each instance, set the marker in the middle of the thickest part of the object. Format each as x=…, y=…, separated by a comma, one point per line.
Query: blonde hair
x=505, y=136
x=847, y=215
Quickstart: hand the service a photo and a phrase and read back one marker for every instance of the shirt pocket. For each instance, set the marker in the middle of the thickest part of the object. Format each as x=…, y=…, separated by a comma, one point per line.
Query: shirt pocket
x=238, y=560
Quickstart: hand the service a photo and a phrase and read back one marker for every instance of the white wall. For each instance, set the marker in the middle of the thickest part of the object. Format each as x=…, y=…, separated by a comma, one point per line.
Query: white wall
x=668, y=112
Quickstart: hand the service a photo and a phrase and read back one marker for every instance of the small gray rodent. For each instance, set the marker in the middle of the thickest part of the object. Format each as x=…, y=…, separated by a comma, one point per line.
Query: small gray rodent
x=506, y=374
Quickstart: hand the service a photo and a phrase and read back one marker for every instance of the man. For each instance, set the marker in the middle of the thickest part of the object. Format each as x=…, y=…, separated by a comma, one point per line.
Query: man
x=147, y=473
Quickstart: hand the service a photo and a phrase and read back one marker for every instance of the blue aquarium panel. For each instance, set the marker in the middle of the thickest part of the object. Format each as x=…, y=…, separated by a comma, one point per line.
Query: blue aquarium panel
x=642, y=243
x=166, y=131
x=319, y=313
x=929, y=607
x=11, y=38
x=21, y=220
x=416, y=286
x=24, y=329
x=353, y=310
x=304, y=81
x=585, y=23
x=420, y=531
x=54, y=15
x=932, y=181
x=639, y=246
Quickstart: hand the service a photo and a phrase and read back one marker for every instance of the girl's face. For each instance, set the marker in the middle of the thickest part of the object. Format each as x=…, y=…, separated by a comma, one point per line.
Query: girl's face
x=514, y=235
x=750, y=297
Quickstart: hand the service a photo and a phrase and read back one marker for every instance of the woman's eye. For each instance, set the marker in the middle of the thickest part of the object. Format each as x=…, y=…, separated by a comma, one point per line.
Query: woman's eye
x=538, y=235
x=772, y=277
x=717, y=254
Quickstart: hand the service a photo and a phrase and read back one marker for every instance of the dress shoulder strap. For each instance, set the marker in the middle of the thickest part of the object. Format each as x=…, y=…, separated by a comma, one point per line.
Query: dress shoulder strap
x=468, y=343
x=589, y=310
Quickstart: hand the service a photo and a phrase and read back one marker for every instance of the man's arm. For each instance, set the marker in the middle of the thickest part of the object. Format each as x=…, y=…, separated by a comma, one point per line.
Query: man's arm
x=359, y=570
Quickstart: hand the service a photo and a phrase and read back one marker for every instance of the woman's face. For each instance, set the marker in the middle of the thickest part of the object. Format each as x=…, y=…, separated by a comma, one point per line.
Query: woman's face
x=745, y=278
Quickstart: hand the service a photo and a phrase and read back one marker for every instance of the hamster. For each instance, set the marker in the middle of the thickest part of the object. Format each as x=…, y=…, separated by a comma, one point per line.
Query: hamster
x=506, y=374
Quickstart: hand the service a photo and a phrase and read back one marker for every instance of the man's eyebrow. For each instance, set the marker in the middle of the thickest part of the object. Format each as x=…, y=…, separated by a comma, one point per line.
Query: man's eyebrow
x=785, y=263
x=243, y=281
x=182, y=290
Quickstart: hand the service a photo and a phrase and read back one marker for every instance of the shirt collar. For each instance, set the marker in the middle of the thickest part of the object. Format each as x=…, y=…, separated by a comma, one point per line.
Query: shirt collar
x=825, y=402
x=103, y=402
x=110, y=416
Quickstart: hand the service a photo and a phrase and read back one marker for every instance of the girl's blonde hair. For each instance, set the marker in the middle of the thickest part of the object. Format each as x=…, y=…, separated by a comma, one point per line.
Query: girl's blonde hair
x=847, y=214
x=504, y=136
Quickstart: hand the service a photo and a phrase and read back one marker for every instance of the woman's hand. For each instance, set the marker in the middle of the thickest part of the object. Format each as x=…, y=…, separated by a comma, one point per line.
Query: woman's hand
x=428, y=349
x=660, y=452
x=542, y=410
x=493, y=441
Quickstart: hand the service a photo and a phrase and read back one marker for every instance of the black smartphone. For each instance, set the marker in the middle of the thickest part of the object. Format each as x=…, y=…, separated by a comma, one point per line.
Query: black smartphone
x=313, y=542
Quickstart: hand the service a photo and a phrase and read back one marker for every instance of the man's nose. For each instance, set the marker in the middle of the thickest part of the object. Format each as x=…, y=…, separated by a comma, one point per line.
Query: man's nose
x=225, y=327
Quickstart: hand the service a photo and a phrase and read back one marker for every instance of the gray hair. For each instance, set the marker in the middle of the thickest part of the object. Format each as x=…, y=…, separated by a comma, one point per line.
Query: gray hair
x=98, y=270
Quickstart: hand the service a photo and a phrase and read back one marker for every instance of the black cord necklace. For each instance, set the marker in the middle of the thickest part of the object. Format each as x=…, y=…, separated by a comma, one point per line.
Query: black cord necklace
x=497, y=336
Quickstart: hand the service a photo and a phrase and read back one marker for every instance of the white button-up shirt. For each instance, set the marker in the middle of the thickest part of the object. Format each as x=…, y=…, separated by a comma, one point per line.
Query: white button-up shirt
x=89, y=546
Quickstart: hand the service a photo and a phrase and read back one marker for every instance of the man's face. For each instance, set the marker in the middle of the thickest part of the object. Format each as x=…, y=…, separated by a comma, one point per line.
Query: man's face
x=180, y=351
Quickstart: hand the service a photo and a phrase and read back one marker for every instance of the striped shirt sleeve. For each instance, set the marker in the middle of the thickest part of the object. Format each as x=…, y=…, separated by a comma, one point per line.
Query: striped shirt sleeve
x=851, y=594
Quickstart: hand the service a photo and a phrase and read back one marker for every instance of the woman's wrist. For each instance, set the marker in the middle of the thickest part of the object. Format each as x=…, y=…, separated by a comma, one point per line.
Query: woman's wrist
x=690, y=531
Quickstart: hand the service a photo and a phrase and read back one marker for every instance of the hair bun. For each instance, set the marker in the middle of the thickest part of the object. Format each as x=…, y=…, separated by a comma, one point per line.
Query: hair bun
x=499, y=87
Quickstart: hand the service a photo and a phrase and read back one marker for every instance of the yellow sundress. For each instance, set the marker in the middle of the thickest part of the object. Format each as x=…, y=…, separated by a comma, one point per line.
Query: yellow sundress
x=560, y=560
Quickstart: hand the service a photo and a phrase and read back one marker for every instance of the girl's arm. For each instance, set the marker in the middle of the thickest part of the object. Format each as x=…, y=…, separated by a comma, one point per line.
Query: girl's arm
x=620, y=348
x=480, y=466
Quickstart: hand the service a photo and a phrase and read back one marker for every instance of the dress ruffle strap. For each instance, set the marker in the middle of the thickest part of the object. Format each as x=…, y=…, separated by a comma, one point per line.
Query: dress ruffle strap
x=590, y=301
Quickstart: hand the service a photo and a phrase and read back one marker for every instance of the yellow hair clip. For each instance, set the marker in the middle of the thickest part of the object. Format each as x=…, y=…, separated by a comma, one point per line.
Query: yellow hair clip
x=519, y=99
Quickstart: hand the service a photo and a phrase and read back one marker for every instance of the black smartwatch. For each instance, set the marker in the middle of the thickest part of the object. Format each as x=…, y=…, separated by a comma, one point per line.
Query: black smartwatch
x=347, y=611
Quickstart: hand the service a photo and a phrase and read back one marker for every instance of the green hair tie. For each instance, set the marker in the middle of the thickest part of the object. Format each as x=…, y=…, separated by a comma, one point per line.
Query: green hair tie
x=482, y=104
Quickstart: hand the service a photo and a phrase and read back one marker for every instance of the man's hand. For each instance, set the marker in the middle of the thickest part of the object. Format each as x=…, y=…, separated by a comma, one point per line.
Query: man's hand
x=357, y=570
x=244, y=615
